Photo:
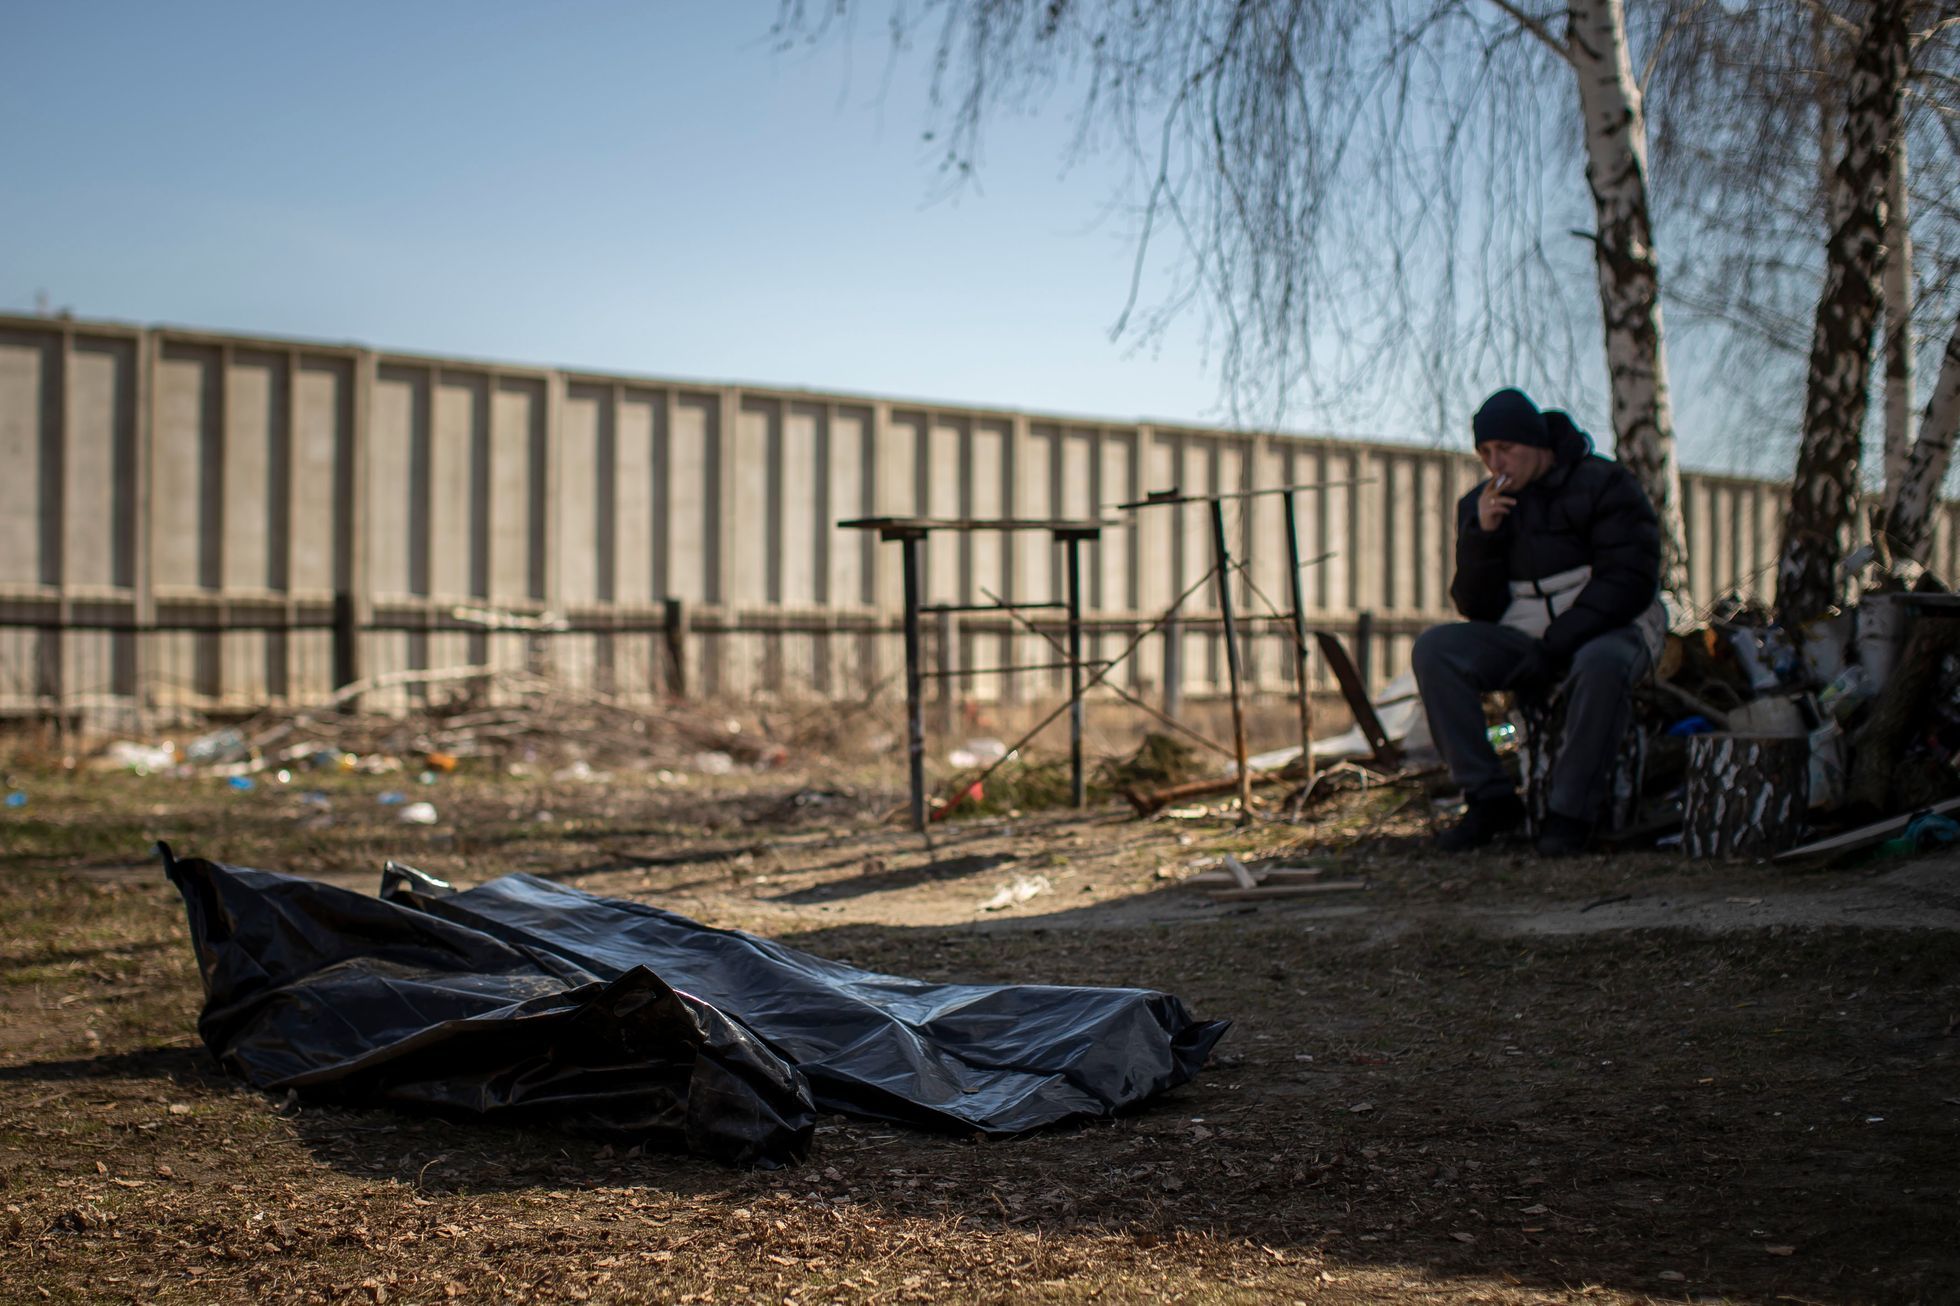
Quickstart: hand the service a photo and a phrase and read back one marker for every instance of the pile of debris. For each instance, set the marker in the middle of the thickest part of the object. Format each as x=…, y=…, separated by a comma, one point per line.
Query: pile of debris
x=1750, y=737
x=507, y=723
x=1849, y=725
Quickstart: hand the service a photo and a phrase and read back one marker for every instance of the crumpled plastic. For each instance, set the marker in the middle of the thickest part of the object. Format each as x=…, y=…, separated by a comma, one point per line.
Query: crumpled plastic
x=526, y=999
x=348, y=998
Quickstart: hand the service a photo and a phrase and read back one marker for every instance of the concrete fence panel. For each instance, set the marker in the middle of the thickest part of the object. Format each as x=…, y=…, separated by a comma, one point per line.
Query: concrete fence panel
x=216, y=522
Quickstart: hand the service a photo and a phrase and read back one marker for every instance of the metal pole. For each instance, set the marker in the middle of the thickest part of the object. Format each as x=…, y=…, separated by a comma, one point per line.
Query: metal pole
x=949, y=661
x=1173, y=667
x=1223, y=555
x=1364, y=651
x=915, y=722
x=1072, y=559
x=1300, y=641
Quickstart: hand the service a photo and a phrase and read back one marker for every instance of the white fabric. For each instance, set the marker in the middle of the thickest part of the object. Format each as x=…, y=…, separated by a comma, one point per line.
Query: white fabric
x=1535, y=602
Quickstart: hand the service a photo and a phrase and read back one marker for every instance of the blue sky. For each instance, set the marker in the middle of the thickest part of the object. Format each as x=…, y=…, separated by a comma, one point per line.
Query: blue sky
x=645, y=187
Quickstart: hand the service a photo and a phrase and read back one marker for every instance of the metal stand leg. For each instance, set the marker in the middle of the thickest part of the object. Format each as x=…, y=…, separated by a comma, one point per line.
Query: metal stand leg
x=915, y=721
x=1299, y=640
x=1072, y=560
x=1223, y=557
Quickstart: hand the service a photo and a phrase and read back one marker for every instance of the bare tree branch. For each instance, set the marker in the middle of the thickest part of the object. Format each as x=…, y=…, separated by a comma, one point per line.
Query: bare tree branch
x=1534, y=25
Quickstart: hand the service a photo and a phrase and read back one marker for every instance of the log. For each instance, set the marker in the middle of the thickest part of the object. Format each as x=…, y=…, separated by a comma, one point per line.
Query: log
x=1745, y=794
x=1538, y=750
x=1909, y=687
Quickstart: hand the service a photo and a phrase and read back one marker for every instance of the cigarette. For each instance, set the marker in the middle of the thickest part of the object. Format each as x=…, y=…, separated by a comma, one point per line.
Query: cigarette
x=1499, y=481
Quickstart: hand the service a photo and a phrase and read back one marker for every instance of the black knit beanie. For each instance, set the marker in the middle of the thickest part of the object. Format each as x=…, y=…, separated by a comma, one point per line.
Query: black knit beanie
x=1510, y=416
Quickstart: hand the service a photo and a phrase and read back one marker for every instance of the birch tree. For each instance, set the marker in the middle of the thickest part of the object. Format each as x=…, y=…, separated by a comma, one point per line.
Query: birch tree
x=1356, y=187
x=1612, y=107
x=1914, y=476
x=1821, y=524
x=1750, y=149
x=1910, y=499
x=1898, y=314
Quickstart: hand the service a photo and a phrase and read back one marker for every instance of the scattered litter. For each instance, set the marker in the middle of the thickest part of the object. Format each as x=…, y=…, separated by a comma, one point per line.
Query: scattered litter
x=977, y=752
x=143, y=759
x=713, y=763
x=1013, y=895
x=242, y=783
x=391, y=798
x=515, y=721
x=219, y=746
x=419, y=814
x=16, y=799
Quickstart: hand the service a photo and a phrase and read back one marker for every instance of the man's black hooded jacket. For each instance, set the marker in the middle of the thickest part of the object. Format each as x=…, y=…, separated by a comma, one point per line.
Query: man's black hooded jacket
x=1584, y=510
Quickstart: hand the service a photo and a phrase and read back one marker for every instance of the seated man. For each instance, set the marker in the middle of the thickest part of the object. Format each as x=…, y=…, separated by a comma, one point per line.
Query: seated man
x=1558, y=559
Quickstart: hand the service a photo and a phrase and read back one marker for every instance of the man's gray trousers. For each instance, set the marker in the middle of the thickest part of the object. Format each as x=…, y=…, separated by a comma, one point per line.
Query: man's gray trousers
x=1457, y=664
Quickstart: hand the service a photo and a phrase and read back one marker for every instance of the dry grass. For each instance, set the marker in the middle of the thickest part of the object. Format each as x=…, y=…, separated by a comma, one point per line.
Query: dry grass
x=1412, y=1107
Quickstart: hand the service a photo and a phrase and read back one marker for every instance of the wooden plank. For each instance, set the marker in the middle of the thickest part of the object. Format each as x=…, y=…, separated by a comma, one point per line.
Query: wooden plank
x=1335, y=654
x=1260, y=875
x=1285, y=890
x=1866, y=835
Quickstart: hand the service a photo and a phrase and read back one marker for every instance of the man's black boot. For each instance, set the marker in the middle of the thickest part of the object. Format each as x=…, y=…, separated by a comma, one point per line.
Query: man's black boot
x=1562, y=835
x=1483, y=820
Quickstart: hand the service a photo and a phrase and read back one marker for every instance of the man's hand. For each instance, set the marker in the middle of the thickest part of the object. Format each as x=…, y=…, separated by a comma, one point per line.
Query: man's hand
x=1493, y=505
x=1539, y=667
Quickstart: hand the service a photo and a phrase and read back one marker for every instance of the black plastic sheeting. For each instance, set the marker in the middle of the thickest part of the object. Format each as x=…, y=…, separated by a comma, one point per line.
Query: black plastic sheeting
x=348, y=998
x=526, y=1000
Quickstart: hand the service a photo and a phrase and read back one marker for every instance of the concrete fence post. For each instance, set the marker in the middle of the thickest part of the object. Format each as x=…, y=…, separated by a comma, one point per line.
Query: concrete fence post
x=346, y=645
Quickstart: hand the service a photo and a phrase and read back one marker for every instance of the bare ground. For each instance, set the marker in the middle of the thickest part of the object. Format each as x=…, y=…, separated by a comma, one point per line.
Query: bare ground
x=1489, y=1078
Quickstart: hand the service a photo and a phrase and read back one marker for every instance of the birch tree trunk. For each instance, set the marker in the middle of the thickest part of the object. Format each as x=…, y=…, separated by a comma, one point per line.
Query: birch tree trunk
x=1818, y=532
x=1898, y=315
x=1629, y=275
x=1909, y=500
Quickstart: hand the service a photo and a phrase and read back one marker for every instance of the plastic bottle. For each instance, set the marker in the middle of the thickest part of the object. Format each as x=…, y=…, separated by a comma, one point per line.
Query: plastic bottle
x=1851, y=688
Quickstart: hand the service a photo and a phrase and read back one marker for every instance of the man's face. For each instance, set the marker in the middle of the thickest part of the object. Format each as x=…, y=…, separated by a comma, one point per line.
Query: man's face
x=1518, y=464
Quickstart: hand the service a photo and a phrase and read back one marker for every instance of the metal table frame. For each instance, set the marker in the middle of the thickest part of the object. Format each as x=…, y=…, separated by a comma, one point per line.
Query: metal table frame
x=909, y=533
